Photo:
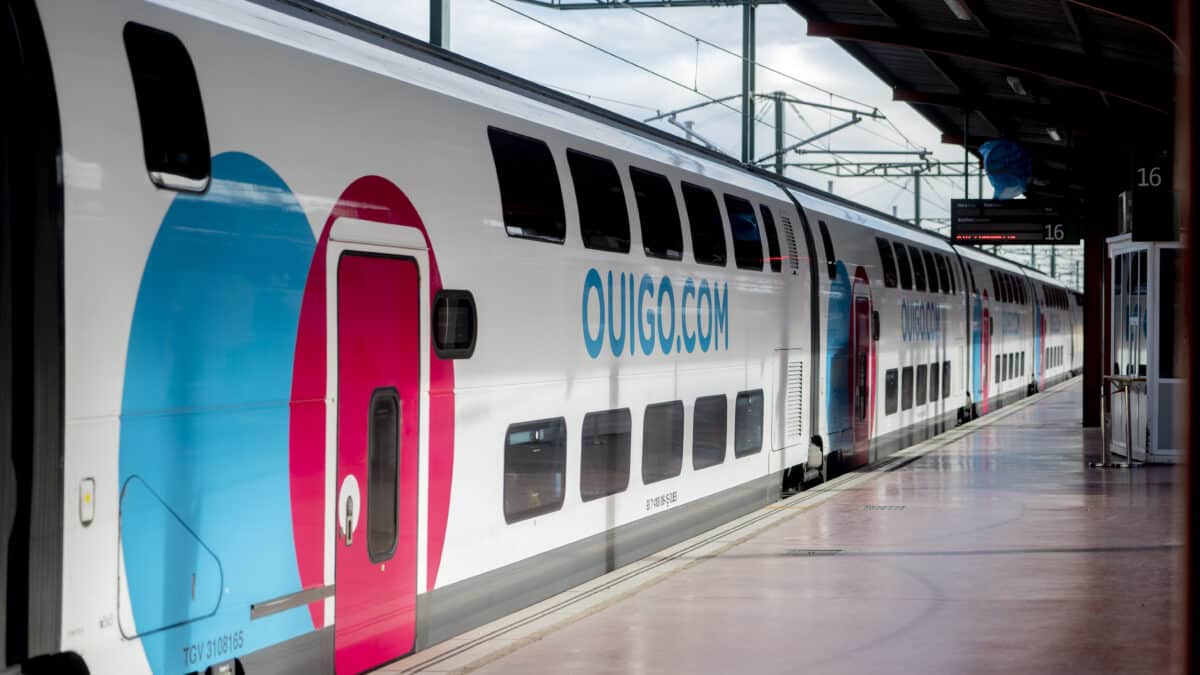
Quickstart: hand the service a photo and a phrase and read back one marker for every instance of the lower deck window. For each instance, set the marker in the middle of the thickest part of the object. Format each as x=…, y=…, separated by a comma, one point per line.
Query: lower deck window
x=662, y=441
x=922, y=383
x=933, y=382
x=906, y=388
x=889, y=391
x=945, y=379
x=604, y=454
x=535, y=464
x=708, y=431
x=748, y=423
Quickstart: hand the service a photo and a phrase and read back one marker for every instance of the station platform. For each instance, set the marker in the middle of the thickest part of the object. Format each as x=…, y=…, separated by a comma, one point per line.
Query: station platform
x=992, y=548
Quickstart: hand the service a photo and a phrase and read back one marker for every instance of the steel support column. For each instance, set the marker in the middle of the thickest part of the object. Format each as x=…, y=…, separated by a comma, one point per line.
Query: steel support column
x=747, y=81
x=439, y=23
x=917, y=198
x=779, y=103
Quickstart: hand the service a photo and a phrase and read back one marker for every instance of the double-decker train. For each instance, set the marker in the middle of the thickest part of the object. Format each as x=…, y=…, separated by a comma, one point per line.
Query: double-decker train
x=320, y=345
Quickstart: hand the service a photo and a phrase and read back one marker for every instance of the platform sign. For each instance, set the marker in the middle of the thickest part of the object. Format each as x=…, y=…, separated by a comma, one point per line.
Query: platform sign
x=1010, y=221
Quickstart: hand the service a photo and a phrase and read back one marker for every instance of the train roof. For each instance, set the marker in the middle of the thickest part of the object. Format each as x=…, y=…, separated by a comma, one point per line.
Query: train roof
x=735, y=172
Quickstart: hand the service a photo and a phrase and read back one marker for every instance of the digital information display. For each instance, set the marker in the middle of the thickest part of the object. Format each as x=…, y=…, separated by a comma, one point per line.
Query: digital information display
x=1009, y=221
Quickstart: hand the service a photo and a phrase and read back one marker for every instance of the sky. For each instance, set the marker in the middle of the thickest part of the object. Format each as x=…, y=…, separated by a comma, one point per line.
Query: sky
x=674, y=70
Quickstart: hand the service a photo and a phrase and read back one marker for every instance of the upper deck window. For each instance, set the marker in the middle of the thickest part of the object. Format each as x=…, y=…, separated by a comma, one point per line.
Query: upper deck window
x=830, y=256
x=931, y=268
x=530, y=194
x=918, y=268
x=888, y=259
x=904, y=266
x=944, y=275
x=772, y=238
x=704, y=218
x=747, y=242
x=603, y=219
x=662, y=235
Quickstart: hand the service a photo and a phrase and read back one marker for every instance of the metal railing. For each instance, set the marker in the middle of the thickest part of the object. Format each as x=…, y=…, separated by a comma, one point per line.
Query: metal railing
x=1117, y=384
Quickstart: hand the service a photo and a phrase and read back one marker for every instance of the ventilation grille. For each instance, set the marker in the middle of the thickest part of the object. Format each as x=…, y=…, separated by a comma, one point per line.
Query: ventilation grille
x=793, y=414
x=789, y=240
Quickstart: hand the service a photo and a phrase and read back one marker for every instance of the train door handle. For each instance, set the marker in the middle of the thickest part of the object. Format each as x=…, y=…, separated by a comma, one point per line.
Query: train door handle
x=348, y=528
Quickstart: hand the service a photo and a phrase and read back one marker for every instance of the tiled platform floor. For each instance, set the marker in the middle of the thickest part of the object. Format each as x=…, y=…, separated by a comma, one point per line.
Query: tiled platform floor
x=996, y=552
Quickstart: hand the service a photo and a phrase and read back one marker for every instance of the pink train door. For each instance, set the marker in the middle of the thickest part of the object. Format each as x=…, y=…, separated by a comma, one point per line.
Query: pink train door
x=379, y=369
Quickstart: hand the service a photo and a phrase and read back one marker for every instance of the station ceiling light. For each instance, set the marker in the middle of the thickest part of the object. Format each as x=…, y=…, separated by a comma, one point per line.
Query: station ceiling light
x=1016, y=85
x=959, y=9
x=1053, y=134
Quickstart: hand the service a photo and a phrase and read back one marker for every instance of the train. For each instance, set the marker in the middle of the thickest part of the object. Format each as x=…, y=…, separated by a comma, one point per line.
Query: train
x=321, y=345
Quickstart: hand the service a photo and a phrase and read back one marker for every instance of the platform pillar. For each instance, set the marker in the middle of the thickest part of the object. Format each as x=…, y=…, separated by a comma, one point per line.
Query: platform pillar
x=1095, y=327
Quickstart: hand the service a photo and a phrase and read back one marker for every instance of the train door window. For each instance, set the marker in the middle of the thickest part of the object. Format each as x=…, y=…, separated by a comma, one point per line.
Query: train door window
x=918, y=268
x=747, y=242
x=603, y=218
x=906, y=388
x=709, y=425
x=530, y=195
x=888, y=260
x=662, y=234
x=773, y=253
x=945, y=379
x=383, y=462
x=454, y=324
x=662, y=441
x=944, y=274
x=830, y=257
x=535, y=467
x=903, y=266
x=748, y=423
x=934, y=382
x=604, y=453
x=174, y=130
x=922, y=383
x=935, y=285
x=889, y=392
x=704, y=219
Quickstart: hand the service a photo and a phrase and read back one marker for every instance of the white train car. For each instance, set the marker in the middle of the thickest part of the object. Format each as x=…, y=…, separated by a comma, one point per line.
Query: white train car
x=326, y=346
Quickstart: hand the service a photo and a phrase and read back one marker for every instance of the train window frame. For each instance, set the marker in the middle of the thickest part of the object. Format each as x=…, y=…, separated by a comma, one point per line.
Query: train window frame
x=935, y=283
x=774, y=253
x=906, y=388
x=830, y=255
x=513, y=171
x=709, y=431
x=747, y=251
x=903, y=265
x=442, y=303
x=891, y=379
x=654, y=461
x=946, y=379
x=935, y=382
x=748, y=423
x=944, y=274
x=706, y=225
x=922, y=389
x=887, y=261
x=558, y=446
x=658, y=214
x=600, y=202
x=383, y=477
x=920, y=279
x=617, y=446
x=176, y=149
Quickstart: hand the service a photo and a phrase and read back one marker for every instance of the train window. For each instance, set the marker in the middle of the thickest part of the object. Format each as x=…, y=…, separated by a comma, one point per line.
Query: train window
x=971, y=273
x=888, y=260
x=604, y=453
x=383, y=461
x=906, y=388
x=889, y=392
x=708, y=431
x=530, y=195
x=935, y=285
x=1022, y=364
x=748, y=423
x=170, y=109
x=603, y=218
x=662, y=441
x=903, y=266
x=945, y=379
x=747, y=242
x=922, y=383
x=996, y=371
x=772, y=238
x=454, y=324
x=662, y=236
x=535, y=467
x=704, y=218
x=830, y=257
x=934, y=381
x=918, y=268
x=944, y=274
